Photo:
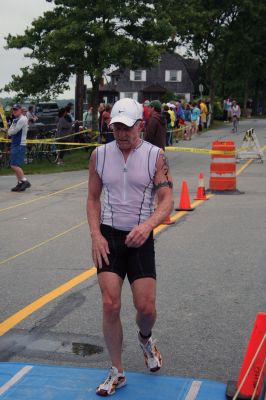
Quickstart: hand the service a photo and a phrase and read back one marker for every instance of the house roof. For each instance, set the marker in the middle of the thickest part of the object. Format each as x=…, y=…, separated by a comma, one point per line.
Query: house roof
x=154, y=88
x=116, y=72
x=192, y=67
x=108, y=88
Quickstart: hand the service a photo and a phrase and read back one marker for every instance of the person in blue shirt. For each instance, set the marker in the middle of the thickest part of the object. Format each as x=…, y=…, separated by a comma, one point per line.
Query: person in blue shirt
x=195, y=116
x=18, y=132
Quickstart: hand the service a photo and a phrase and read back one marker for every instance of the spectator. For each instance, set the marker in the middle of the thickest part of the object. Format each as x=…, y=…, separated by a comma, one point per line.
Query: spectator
x=69, y=110
x=87, y=118
x=229, y=109
x=195, y=116
x=32, y=118
x=146, y=111
x=169, y=133
x=101, y=109
x=187, y=116
x=68, y=113
x=18, y=132
x=203, y=113
x=155, y=131
x=64, y=127
x=24, y=111
x=106, y=129
x=172, y=114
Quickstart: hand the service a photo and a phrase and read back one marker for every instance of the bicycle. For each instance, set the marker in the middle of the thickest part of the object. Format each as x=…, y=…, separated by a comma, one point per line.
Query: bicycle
x=42, y=151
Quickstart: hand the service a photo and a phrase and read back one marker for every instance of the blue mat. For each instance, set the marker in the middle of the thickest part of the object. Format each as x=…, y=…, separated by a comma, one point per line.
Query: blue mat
x=20, y=381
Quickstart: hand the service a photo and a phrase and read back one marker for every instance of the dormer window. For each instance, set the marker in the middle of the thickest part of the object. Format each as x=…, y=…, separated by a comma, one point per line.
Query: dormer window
x=173, y=75
x=139, y=75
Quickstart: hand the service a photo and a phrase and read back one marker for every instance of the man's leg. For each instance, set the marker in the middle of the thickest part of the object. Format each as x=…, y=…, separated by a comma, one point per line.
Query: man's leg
x=144, y=296
x=111, y=286
x=144, y=293
x=19, y=172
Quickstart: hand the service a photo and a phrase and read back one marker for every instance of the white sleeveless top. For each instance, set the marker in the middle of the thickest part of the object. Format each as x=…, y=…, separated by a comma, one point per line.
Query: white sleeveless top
x=128, y=186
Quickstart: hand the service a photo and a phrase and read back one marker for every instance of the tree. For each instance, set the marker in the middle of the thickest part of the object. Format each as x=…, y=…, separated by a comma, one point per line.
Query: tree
x=247, y=54
x=87, y=37
x=203, y=26
x=228, y=36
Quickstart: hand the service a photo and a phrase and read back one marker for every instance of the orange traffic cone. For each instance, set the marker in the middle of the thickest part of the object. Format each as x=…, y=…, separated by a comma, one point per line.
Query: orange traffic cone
x=168, y=221
x=253, y=370
x=201, y=195
x=184, y=204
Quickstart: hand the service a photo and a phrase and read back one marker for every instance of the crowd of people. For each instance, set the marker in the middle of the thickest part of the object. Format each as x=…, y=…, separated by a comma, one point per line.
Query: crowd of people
x=161, y=121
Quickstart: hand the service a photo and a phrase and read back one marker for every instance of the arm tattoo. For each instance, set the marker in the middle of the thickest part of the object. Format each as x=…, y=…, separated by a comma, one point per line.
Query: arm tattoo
x=163, y=184
x=165, y=166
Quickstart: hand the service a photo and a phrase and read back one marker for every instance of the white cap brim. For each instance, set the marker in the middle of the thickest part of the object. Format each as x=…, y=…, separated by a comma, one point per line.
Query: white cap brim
x=122, y=119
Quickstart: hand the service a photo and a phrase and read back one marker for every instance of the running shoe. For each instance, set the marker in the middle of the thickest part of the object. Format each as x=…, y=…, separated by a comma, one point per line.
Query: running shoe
x=17, y=187
x=152, y=356
x=115, y=380
x=24, y=185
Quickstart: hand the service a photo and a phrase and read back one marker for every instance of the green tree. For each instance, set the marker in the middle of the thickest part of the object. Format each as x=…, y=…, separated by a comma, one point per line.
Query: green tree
x=228, y=36
x=87, y=37
x=246, y=57
x=203, y=26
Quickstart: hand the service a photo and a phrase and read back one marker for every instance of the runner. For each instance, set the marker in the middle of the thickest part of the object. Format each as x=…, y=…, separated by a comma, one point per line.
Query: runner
x=129, y=170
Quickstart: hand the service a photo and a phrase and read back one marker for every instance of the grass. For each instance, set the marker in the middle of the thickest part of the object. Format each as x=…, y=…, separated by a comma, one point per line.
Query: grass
x=75, y=160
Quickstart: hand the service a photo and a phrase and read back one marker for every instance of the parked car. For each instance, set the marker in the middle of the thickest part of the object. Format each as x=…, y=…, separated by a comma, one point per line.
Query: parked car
x=47, y=113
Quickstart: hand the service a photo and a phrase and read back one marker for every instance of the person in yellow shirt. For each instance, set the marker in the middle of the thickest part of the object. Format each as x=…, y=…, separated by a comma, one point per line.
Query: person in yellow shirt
x=203, y=114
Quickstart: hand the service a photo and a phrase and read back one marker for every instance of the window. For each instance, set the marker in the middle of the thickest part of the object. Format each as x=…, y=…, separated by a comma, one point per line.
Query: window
x=173, y=75
x=138, y=75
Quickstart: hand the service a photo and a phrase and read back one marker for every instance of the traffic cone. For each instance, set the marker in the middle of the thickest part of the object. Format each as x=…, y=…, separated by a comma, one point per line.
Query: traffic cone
x=168, y=221
x=253, y=370
x=201, y=195
x=184, y=204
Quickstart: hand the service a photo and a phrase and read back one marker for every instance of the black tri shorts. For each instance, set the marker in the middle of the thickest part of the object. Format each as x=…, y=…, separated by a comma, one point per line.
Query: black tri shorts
x=134, y=262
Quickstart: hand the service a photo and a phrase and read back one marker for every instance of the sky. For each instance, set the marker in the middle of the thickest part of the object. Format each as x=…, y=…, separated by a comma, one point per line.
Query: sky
x=15, y=17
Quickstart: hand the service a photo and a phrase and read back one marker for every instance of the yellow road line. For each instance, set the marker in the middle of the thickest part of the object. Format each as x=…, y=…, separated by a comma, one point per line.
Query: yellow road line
x=43, y=197
x=16, y=318
x=12, y=321
x=42, y=243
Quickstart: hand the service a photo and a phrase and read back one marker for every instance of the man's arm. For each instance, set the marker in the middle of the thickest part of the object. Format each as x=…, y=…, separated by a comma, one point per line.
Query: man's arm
x=15, y=128
x=100, y=249
x=163, y=185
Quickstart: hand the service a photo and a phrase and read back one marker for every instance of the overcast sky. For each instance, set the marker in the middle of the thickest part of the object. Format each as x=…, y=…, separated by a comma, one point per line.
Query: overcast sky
x=15, y=17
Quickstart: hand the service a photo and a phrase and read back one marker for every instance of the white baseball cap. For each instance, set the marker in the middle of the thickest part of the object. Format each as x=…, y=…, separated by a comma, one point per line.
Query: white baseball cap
x=126, y=111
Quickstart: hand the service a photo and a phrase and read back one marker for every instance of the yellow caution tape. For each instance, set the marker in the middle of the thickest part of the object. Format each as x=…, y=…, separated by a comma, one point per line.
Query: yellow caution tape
x=171, y=148
x=195, y=150
x=3, y=116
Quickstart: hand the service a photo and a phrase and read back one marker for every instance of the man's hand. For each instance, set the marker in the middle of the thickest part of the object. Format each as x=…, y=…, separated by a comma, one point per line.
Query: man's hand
x=138, y=235
x=100, y=249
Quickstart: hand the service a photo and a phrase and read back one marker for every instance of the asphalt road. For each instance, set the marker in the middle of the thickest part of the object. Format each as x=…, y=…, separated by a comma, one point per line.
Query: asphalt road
x=210, y=264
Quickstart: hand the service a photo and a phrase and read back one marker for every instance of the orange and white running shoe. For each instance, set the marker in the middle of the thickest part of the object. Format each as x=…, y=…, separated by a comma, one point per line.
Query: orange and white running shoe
x=115, y=380
x=152, y=356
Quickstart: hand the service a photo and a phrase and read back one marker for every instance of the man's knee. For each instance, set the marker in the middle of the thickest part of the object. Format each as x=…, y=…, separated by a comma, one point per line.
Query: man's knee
x=111, y=308
x=146, y=307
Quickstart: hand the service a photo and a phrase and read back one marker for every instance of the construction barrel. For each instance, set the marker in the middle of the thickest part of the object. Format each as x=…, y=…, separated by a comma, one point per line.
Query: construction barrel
x=223, y=166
